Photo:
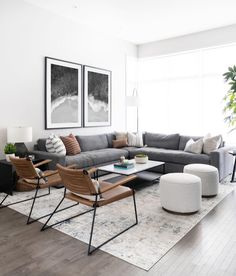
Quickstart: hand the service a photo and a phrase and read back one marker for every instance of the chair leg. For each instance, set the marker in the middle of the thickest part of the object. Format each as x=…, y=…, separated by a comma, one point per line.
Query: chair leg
x=45, y=224
x=135, y=207
x=32, y=206
x=20, y=201
x=91, y=232
x=50, y=214
x=3, y=201
x=90, y=240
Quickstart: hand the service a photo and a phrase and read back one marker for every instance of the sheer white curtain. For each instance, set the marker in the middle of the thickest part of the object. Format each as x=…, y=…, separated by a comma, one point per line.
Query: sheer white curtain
x=131, y=88
x=183, y=92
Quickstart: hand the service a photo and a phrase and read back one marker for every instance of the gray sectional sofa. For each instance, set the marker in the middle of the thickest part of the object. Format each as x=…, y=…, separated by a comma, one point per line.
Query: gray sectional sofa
x=97, y=150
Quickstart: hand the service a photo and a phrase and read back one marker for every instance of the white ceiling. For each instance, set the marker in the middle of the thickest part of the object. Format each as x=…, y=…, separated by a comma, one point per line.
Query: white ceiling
x=141, y=21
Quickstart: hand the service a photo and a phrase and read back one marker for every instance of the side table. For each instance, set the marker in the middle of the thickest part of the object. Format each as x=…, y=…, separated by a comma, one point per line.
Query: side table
x=7, y=177
x=233, y=152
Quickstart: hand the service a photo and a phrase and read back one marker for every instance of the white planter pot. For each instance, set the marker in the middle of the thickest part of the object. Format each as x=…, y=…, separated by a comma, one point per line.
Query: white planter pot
x=141, y=160
x=9, y=155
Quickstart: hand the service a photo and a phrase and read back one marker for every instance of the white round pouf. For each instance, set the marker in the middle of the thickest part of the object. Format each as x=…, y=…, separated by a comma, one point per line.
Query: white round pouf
x=180, y=192
x=209, y=176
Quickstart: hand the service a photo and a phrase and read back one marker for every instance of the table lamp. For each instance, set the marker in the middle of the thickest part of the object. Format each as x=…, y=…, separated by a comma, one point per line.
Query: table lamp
x=19, y=136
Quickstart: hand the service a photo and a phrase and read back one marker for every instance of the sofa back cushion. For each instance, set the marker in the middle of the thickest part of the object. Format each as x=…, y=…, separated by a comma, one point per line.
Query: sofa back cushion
x=41, y=144
x=185, y=138
x=92, y=142
x=164, y=141
x=110, y=137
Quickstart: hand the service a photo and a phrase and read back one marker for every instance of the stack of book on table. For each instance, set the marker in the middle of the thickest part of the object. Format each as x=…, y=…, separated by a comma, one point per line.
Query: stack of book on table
x=127, y=164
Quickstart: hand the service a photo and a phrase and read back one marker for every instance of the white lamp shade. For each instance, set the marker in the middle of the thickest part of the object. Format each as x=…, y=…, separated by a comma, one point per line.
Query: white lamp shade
x=19, y=134
x=132, y=101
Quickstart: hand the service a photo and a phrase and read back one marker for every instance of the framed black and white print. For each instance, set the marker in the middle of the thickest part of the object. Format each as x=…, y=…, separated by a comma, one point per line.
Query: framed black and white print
x=97, y=97
x=63, y=94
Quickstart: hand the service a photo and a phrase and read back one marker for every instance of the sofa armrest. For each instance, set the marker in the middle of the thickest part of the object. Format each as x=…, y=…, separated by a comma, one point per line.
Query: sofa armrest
x=56, y=158
x=223, y=161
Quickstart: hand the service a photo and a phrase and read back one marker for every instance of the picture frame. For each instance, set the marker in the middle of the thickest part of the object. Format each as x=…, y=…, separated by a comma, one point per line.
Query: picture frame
x=97, y=96
x=63, y=94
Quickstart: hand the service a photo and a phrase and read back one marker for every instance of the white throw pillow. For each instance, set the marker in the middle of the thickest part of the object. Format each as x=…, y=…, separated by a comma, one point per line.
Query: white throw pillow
x=55, y=145
x=35, y=181
x=211, y=144
x=135, y=139
x=194, y=146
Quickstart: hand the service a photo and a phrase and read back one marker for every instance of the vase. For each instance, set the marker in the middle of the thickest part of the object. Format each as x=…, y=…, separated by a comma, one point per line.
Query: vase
x=9, y=155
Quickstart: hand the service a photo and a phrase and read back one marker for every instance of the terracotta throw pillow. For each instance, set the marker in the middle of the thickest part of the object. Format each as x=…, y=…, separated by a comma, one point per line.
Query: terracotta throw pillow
x=121, y=135
x=120, y=143
x=71, y=144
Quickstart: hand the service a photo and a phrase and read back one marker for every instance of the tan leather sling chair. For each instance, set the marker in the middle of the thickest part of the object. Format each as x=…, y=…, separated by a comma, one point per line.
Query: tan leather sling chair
x=79, y=187
x=30, y=176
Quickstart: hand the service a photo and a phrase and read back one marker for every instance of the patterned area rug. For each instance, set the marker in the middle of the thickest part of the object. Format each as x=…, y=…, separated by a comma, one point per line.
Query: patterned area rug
x=142, y=245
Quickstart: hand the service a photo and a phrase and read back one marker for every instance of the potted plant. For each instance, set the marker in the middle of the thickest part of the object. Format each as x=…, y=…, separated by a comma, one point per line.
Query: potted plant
x=9, y=150
x=141, y=158
x=230, y=97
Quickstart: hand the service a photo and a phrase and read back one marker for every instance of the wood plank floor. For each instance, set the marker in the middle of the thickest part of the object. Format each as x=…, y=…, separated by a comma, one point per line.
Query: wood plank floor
x=208, y=249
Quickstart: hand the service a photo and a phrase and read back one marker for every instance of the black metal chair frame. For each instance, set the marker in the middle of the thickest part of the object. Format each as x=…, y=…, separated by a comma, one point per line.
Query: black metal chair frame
x=94, y=209
x=20, y=201
x=29, y=219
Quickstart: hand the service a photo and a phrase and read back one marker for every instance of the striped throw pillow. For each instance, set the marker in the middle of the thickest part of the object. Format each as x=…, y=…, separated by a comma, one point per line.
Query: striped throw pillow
x=71, y=144
x=54, y=145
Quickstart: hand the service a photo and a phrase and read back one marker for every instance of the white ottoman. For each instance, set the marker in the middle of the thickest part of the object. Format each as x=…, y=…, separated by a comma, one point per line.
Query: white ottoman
x=180, y=192
x=209, y=176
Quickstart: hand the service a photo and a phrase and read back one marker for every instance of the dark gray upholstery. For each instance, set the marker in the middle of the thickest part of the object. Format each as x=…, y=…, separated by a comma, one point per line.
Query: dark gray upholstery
x=173, y=156
x=92, y=142
x=55, y=157
x=184, y=139
x=97, y=150
x=110, y=138
x=82, y=160
x=41, y=144
x=222, y=160
x=165, y=141
x=106, y=155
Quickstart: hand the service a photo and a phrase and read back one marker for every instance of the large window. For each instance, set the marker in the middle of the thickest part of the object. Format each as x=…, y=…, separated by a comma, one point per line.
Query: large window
x=183, y=92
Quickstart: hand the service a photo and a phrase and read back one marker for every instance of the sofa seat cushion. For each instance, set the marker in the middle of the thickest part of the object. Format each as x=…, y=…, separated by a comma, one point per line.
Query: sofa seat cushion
x=172, y=156
x=82, y=160
x=106, y=155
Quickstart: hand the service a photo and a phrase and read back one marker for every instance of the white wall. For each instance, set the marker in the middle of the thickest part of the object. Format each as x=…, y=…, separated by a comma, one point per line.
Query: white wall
x=27, y=35
x=198, y=40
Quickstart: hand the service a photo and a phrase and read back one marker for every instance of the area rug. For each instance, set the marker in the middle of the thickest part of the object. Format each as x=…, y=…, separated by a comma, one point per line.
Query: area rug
x=143, y=245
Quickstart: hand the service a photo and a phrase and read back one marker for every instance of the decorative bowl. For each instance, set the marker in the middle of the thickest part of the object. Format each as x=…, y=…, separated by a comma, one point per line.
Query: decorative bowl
x=141, y=158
